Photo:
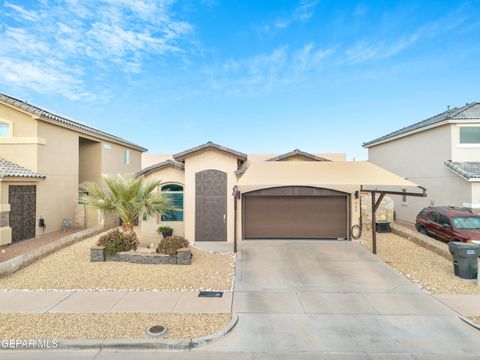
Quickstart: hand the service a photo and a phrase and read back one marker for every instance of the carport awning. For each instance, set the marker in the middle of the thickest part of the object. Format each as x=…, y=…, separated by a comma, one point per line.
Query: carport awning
x=319, y=174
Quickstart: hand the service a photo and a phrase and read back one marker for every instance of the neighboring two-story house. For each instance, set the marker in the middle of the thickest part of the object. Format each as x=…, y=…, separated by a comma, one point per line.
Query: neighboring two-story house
x=441, y=153
x=44, y=158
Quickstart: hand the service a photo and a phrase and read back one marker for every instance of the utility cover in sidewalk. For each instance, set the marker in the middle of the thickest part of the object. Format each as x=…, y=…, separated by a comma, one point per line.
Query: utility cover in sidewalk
x=210, y=294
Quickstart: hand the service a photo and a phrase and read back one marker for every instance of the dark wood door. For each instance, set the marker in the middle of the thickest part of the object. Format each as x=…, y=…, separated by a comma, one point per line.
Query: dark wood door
x=22, y=199
x=211, y=206
x=295, y=217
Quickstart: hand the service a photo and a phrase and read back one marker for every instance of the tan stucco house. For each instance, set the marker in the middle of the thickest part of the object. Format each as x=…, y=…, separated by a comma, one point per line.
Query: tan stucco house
x=221, y=194
x=441, y=153
x=43, y=159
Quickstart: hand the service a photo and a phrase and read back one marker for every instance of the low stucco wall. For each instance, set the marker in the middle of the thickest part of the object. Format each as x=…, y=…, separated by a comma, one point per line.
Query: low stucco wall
x=424, y=241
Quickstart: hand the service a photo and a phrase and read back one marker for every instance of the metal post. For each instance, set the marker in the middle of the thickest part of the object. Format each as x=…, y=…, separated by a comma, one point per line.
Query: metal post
x=235, y=196
x=374, y=227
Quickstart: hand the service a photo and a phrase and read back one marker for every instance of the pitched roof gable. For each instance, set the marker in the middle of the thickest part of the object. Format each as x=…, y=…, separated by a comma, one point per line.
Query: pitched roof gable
x=181, y=156
x=297, y=152
x=161, y=165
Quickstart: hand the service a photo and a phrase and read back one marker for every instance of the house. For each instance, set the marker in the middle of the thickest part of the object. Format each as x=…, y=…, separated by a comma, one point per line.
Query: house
x=441, y=153
x=221, y=194
x=44, y=157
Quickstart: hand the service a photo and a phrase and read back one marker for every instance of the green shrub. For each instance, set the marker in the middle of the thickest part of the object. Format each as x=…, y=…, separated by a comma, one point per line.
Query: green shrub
x=115, y=241
x=171, y=244
x=165, y=230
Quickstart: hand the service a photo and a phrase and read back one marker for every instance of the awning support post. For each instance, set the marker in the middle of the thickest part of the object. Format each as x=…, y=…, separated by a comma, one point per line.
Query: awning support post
x=375, y=205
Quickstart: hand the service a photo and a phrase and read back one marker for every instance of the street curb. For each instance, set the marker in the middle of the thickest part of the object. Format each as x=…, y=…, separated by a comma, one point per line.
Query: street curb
x=166, y=344
x=470, y=322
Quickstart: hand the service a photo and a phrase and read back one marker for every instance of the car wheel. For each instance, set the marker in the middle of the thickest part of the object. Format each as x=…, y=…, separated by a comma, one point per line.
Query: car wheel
x=422, y=230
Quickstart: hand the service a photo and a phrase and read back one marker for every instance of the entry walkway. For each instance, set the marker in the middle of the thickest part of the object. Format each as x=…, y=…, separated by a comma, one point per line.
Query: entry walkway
x=112, y=301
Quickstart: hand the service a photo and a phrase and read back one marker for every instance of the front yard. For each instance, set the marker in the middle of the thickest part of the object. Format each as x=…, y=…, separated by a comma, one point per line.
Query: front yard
x=70, y=268
x=432, y=272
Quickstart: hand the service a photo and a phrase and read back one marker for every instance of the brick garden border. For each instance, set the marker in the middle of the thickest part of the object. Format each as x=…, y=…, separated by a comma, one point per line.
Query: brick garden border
x=183, y=257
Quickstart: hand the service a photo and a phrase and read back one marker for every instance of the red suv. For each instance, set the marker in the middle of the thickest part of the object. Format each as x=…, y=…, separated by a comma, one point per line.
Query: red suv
x=449, y=223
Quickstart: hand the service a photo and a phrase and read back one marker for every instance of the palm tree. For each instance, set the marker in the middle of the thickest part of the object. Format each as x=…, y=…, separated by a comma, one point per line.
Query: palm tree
x=128, y=197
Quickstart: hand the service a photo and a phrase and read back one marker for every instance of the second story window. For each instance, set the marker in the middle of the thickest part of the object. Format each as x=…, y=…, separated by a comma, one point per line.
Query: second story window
x=5, y=129
x=470, y=135
x=127, y=157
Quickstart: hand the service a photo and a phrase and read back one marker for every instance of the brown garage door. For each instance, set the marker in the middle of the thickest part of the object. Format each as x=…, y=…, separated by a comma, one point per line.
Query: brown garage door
x=295, y=217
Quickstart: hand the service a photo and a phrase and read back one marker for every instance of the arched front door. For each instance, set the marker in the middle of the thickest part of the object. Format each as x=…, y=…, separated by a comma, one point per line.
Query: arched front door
x=210, y=205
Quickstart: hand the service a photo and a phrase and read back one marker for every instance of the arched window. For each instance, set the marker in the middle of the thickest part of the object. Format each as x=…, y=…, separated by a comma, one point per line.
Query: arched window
x=175, y=193
x=4, y=129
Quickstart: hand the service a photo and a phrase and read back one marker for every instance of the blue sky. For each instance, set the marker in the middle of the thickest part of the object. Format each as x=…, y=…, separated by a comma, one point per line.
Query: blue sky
x=257, y=76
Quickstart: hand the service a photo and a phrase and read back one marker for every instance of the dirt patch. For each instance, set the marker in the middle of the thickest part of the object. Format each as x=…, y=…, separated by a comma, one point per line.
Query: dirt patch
x=107, y=325
x=70, y=268
x=432, y=272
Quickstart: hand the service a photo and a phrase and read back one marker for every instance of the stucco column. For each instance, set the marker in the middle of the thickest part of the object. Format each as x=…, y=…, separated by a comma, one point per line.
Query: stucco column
x=5, y=229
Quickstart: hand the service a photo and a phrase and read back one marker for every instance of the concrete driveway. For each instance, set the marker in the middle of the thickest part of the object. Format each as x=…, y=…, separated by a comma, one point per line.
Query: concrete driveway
x=335, y=299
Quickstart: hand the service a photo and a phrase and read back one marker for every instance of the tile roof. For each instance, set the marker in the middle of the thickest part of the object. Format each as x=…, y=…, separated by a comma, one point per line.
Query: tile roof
x=9, y=169
x=41, y=113
x=468, y=112
x=209, y=145
x=297, y=152
x=161, y=165
x=467, y=170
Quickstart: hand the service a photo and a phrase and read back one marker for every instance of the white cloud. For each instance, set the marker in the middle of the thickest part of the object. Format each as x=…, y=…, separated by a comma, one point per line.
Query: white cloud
x=302, y=13
x=365, y=50
x=61, y=45
x=21, y=12
x=262, y=73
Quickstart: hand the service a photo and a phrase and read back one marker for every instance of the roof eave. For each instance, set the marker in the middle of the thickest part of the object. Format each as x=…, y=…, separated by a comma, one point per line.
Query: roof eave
x=159, y=166
x=399, y=136
x=22, y=178
x=181, y=156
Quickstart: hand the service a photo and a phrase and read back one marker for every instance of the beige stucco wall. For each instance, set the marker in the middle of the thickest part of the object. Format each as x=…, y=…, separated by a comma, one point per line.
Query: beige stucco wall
x=207, y=160
x=168, y=175
x=420, y=158
x=58, y=160
x=475, y=187
x=22, y=147
x=90, y=161
x=114, y=160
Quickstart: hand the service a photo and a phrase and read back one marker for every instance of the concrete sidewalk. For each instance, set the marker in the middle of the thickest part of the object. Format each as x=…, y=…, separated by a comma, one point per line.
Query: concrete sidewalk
x=112, y=301
x=467, y=305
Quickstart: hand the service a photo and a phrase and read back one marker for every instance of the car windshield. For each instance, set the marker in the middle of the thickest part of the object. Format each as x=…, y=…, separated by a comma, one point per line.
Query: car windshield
x=466, y=222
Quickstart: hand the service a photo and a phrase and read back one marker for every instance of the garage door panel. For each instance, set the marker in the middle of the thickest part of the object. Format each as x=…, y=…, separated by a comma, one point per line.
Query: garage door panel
x=307, y=217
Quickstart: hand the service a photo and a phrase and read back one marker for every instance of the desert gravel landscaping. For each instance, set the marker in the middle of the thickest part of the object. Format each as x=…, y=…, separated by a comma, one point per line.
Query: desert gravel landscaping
x=107, y=326
x=70, y=268
x=432, y=272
